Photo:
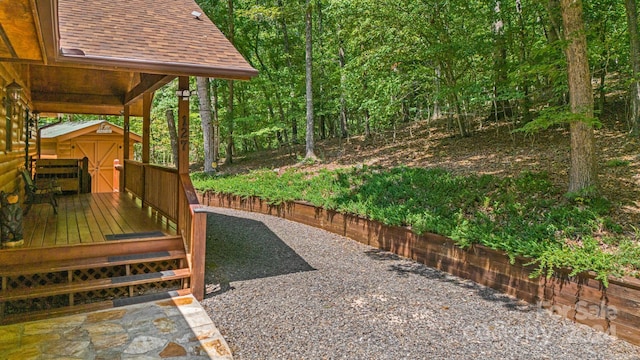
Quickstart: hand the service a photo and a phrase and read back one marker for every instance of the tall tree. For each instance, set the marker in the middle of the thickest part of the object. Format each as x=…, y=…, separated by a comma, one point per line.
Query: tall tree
x=583, y=170
x=634, y=56
x=289, y=55
x=203, y=85
x=230, y=121
x=310, y=154
x=501, y=106
x=344, y=132
x=216, y=122
x=173, y=134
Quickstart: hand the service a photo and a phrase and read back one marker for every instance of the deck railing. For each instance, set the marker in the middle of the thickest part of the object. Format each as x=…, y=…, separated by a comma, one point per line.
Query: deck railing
x=173, y=196
x=156, y=186
x=161, y=190
x=134, y=178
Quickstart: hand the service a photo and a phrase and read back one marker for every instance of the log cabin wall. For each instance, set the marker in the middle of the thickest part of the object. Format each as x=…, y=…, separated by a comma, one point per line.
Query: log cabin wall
x=12, y=157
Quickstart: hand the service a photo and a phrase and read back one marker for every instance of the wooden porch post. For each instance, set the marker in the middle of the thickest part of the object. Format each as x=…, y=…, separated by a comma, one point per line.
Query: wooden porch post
x=146, y=139
x=125, y=151
x=183, y=151
x=183, y=127
x=192, y=224
x=146, y=127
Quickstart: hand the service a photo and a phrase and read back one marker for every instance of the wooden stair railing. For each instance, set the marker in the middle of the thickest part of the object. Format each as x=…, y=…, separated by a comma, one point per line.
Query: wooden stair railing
x=61, y=286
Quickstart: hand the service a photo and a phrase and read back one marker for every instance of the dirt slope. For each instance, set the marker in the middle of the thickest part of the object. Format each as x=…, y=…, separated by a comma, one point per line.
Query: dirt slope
x=492, y=149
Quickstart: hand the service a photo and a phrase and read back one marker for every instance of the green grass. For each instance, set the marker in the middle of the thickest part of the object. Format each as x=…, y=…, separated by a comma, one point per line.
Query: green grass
x=617, y=163
x=523, y=216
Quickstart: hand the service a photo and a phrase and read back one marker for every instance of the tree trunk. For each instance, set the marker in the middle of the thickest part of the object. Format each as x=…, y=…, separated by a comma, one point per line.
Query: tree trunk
x=230, y=124
x=436, y=103
x=173, y=135
x=526, y=103
x=367, y=125
x=502, y=108
x=206, y=121
x=634, y=39
x=288, y=52
x=554, y=36
x=320, y=79
x=344, y=132
x=555, y=21
x=309, y=83
x=583, y=172
x=230, y=121
x=216, y=122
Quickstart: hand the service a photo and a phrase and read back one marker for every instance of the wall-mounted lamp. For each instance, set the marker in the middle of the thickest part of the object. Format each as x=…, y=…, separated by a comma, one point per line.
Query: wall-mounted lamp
x=14, y=91
x=183, y=94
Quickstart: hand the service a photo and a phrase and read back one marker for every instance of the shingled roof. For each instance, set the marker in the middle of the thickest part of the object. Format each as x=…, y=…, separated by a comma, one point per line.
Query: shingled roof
x=160, y=35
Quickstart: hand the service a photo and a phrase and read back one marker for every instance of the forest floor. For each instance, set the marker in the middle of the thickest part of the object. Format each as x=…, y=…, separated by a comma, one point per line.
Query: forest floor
x=493, y=148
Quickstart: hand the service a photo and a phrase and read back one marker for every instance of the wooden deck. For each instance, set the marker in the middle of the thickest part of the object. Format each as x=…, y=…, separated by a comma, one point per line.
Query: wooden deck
x=87, y=218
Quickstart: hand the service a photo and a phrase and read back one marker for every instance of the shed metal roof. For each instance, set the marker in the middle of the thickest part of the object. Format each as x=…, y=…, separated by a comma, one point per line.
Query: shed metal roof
x=66, y=128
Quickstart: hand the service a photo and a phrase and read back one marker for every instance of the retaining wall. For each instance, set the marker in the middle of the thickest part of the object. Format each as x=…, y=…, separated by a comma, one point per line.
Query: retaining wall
x=614, y=310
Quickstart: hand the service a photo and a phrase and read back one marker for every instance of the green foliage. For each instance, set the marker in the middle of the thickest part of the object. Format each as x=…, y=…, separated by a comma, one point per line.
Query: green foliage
x=617, y=163
x=524, y=216
x=587, y=255
x=556, y=116
x=403, y=57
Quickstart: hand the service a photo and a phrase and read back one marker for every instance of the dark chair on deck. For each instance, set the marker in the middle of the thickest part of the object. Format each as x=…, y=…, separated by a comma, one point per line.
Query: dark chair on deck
x=37, y=195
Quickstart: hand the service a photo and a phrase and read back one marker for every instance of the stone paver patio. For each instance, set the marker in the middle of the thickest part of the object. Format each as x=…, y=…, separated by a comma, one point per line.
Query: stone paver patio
x=176, y=328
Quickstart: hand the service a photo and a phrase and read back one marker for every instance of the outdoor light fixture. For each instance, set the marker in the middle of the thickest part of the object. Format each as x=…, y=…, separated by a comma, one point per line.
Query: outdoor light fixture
x=183, y=94
x=14, y=91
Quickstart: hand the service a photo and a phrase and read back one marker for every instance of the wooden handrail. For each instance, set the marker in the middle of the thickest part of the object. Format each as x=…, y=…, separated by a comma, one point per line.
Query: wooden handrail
x=192, y=224
x=162, y=168
x=189, y=190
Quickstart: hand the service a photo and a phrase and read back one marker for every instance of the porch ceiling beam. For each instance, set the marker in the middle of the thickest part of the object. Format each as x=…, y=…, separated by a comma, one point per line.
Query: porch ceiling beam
x=7, y=42
x=87, y=99
x=77, y=103
x=148, y=83
x=52, y=108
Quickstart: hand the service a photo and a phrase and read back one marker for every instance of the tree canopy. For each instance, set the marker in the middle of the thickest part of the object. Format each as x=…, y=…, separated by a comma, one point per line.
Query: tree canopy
x=377, y=64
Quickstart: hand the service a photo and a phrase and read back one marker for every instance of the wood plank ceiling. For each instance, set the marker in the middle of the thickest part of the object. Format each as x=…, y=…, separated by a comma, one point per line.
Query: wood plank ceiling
x=19, y=38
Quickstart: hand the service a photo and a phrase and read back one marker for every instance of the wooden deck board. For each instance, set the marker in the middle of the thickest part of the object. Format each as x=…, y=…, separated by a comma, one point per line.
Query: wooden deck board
x=114, y=210
x=49, y=238
x=91, y=233
x=42, y=212
x=106, y=223
x=73, y=223
x=88, y=218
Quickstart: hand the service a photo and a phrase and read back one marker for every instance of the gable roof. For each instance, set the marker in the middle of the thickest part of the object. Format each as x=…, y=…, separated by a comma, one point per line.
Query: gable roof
x=70, y=129
x=160, y=35
x=96, y=56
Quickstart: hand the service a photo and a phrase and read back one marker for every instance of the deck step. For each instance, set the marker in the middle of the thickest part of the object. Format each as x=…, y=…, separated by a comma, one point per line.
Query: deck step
x=95, y=262
x=150, y=297
x=84, y=308
x=90, y=285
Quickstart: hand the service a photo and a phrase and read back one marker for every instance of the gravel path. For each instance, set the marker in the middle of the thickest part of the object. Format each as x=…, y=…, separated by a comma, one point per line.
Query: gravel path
x=282, y=290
